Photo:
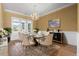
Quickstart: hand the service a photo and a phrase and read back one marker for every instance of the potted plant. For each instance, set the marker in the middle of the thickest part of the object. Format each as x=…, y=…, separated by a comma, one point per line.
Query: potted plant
x=2, y=33
x=8, y=29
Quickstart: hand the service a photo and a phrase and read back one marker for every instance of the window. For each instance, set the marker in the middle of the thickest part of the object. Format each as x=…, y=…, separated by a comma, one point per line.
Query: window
x=19, y=24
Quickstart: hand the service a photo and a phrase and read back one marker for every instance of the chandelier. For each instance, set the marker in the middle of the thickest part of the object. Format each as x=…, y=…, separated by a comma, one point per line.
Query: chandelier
x=34, y=15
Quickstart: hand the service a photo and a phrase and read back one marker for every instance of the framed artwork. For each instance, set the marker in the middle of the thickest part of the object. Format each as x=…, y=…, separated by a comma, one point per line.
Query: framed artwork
x=54, y=23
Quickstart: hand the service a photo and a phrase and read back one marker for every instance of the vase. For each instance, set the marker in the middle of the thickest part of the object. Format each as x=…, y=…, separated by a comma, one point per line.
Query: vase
x=0, y=36
x=0, y=39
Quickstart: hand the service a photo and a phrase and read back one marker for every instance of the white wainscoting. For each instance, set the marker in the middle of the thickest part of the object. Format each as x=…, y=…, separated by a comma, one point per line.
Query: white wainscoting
x=77, y=44
x=71, y=37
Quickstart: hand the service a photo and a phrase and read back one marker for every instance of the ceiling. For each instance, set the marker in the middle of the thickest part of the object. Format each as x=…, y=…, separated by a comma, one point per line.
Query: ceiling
x=40, y=8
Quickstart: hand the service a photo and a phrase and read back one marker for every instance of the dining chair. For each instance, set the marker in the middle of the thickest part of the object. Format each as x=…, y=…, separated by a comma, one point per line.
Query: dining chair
x=47, y=40
x=24, y=39
x=31, y=40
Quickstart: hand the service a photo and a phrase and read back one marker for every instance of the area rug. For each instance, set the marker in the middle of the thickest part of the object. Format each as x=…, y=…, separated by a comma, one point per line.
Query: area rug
x=42, y=50
x=17, y=49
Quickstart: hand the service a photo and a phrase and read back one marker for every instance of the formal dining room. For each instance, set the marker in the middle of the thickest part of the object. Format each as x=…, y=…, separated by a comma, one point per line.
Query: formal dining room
x=38, y=29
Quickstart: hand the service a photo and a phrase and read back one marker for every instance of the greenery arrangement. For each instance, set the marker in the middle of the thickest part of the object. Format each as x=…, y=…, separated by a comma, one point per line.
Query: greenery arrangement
x=1, y=33
x=8, y=29
x=36, y=30
x=5, y=31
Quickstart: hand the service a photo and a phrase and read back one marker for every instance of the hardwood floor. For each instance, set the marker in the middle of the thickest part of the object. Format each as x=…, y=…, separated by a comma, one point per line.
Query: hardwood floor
x=67, y=50
x=16, y=49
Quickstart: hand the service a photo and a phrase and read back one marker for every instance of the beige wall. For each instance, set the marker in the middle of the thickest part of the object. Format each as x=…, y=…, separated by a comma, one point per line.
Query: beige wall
x=78, y=18
x=1, y=16
x=78, y=30
x=67, y=16
x=8, y=15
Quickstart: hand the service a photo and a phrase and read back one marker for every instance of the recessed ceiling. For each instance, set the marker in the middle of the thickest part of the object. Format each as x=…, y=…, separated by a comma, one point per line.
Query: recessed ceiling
x=40, y=8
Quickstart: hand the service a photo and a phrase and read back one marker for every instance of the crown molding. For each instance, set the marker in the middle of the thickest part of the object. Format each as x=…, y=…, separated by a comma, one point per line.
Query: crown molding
x=56, y=10
x=7, y=10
